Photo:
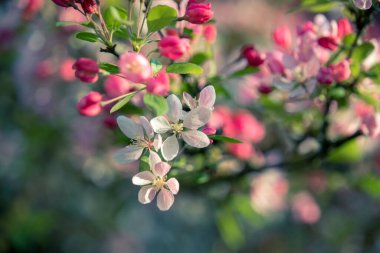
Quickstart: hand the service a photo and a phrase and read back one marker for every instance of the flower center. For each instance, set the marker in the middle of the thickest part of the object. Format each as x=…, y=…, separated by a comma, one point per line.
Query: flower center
x=177, y=128
x=133, y=67
x=159, y=183
x=143, y=143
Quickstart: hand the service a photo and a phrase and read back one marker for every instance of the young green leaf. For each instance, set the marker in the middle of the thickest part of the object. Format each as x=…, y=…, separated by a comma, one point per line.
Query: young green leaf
x=156, y=103
x=110, y=68
x=160, y=16
x=156, y=66
x=361, y=52
x=224, y=138
x=243, y=72
x=115, y=17
x=123, y=102
x=185, y=68
x=86, y=36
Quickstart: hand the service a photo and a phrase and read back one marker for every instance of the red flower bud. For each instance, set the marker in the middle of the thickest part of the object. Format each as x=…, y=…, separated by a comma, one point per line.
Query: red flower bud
x=89, y=6
x=86, y=70
x=89, y=105
x=265, y=89
x=344, y=27
x=341, y=71
x=209, y=131
x=198, y=13
x=328, y=42
x=63, y=3
x=325, y=76
x=253, y=57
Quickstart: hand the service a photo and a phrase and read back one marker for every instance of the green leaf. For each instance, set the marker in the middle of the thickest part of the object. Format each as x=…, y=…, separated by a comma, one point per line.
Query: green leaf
x=370, y=184
x=348, y=40
x=156, y=103
x=316, y=5
x=200, y=58
x=123, y=102
x=156, y=66
x=86, y=36
x=144, y=163
x=361, y=52
x=160, y=17
x=115, y=17
x=230, y=229
x=110, y=68
x=374, y=73
x=224, y=138
x=184, y=68
x=349, y=152
x=243, y=72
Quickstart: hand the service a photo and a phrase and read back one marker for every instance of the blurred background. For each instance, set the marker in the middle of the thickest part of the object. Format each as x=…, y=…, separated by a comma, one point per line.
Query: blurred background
x=61, y=192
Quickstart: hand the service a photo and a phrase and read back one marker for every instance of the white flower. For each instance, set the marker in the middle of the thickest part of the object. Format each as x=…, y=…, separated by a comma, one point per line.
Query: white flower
x=187, y=129
x=155, y=181
x=206, y=99
x=363, y=4
x=142, y=137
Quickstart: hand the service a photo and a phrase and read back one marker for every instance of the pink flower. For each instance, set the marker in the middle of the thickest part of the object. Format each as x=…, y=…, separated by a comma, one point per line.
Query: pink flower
x=209, y=131
x=86, y=70
x=66, y=70
x=173, y=47
x=159, y=85
x=305, y=28
x=198, y=12
x=210, y=33
x=274, y=64
x=370, y=125
x=282, y=36
x=341, y=71
x=363, y=4
x=116, y=86
x=328, y=42
x=253, y=57
x=325, y=76
x=135, y=67
x=243, y=151
x=305, y=209
x=344, y=27
x=89, y=105
x=155, y=181
x=63, y=3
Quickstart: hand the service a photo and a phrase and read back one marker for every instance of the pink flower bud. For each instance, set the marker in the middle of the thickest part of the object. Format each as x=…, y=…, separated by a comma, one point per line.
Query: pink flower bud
x=265, y=89
x=116, y=86
x=86, y=70
x=341, y=71
x=89, y=6
x=159, y=85
x=210, y=33
x=198, y=12
x=325, y=76
x=328, y=42
x=253, y=57
x=282, y=36
x=63, y=3
x=173, y=47
x=135, y=67
x=89, y=105
x=344, y=27
x=209, y=131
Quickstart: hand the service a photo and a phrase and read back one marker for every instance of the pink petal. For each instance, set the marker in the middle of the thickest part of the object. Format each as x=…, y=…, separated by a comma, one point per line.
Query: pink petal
x=173, y=185
x=160, y=125
x=165, y=200
x=196, y=138
x=146, y=194
x=189, y=100
x=170, y=147
x=197, y=118
x=175, y=108
x=157, y=143
x=143, y=178
x=207, y=97
x=161, y=169
x=128, y=154
x=130, y=128
x=154, y=158
x=147, y=127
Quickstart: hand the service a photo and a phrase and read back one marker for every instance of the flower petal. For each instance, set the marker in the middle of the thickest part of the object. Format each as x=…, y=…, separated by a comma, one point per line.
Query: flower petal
x=197, y=118
x=128, y=154
x=363, y=4
x=175, y=108
x=147, y=194
x=147, y=127
x=161, y=169
x=189, y=100
x=207, y=97
x=157, y=143
x=165, y=200
x=130, y=128
x=154, y=158
x=196, y=138
x=173, y=185
x=143, y=178
x=160, y=125
x=170, y=148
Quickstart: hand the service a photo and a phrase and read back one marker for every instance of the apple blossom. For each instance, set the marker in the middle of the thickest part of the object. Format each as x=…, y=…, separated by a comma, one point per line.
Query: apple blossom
x=86, y=70
x=142, y=136
x=344, y=27
x=173, y=47
x=155, y=182
x=206, y=99
x=341, y=71
x=363, y=4
x=135, y=67
x=159, y=85
x=305, y=209
x=116, y=86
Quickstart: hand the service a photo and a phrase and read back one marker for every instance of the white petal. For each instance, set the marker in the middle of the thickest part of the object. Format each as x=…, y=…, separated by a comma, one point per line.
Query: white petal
x=147, y=127
x=165, y=200
x=161, y=169
x=173, y=185
x=154, y=158
x=197, y=118
x=175, y=108
x=157, y=143
x=128, y=154
x=160, y=125
x=207, y=97
x=189, y=100
x=170, y=148
x=147, y=194
x=143, y=178
x=130, y=128
x=196, y=138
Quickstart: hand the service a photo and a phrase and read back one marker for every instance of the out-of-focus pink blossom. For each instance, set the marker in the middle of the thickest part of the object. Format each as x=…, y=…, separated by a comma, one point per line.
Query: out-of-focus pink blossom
x=210, y=33
x=198, y=12
x=116, y=86
x=328, y=42
x=71, y=15
x=325, y=76
x=135, y=67
x=341, y=71
x=219, y=117
x=370, y=125
x=363, y=4
x=344, y=27
x=89, y=105
x=160, y=84
x=268, y=192
x=173, y=47
x=30, y=7
x=317, y=180
x=86, y=70
x=305, y=28
x=66, y=71
x=253, y=57
x=282, y=36
x=265, y=89
x=362, y=109
x=44, y=69
x=274, y=63
x=243, y=151
x=305, y=209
